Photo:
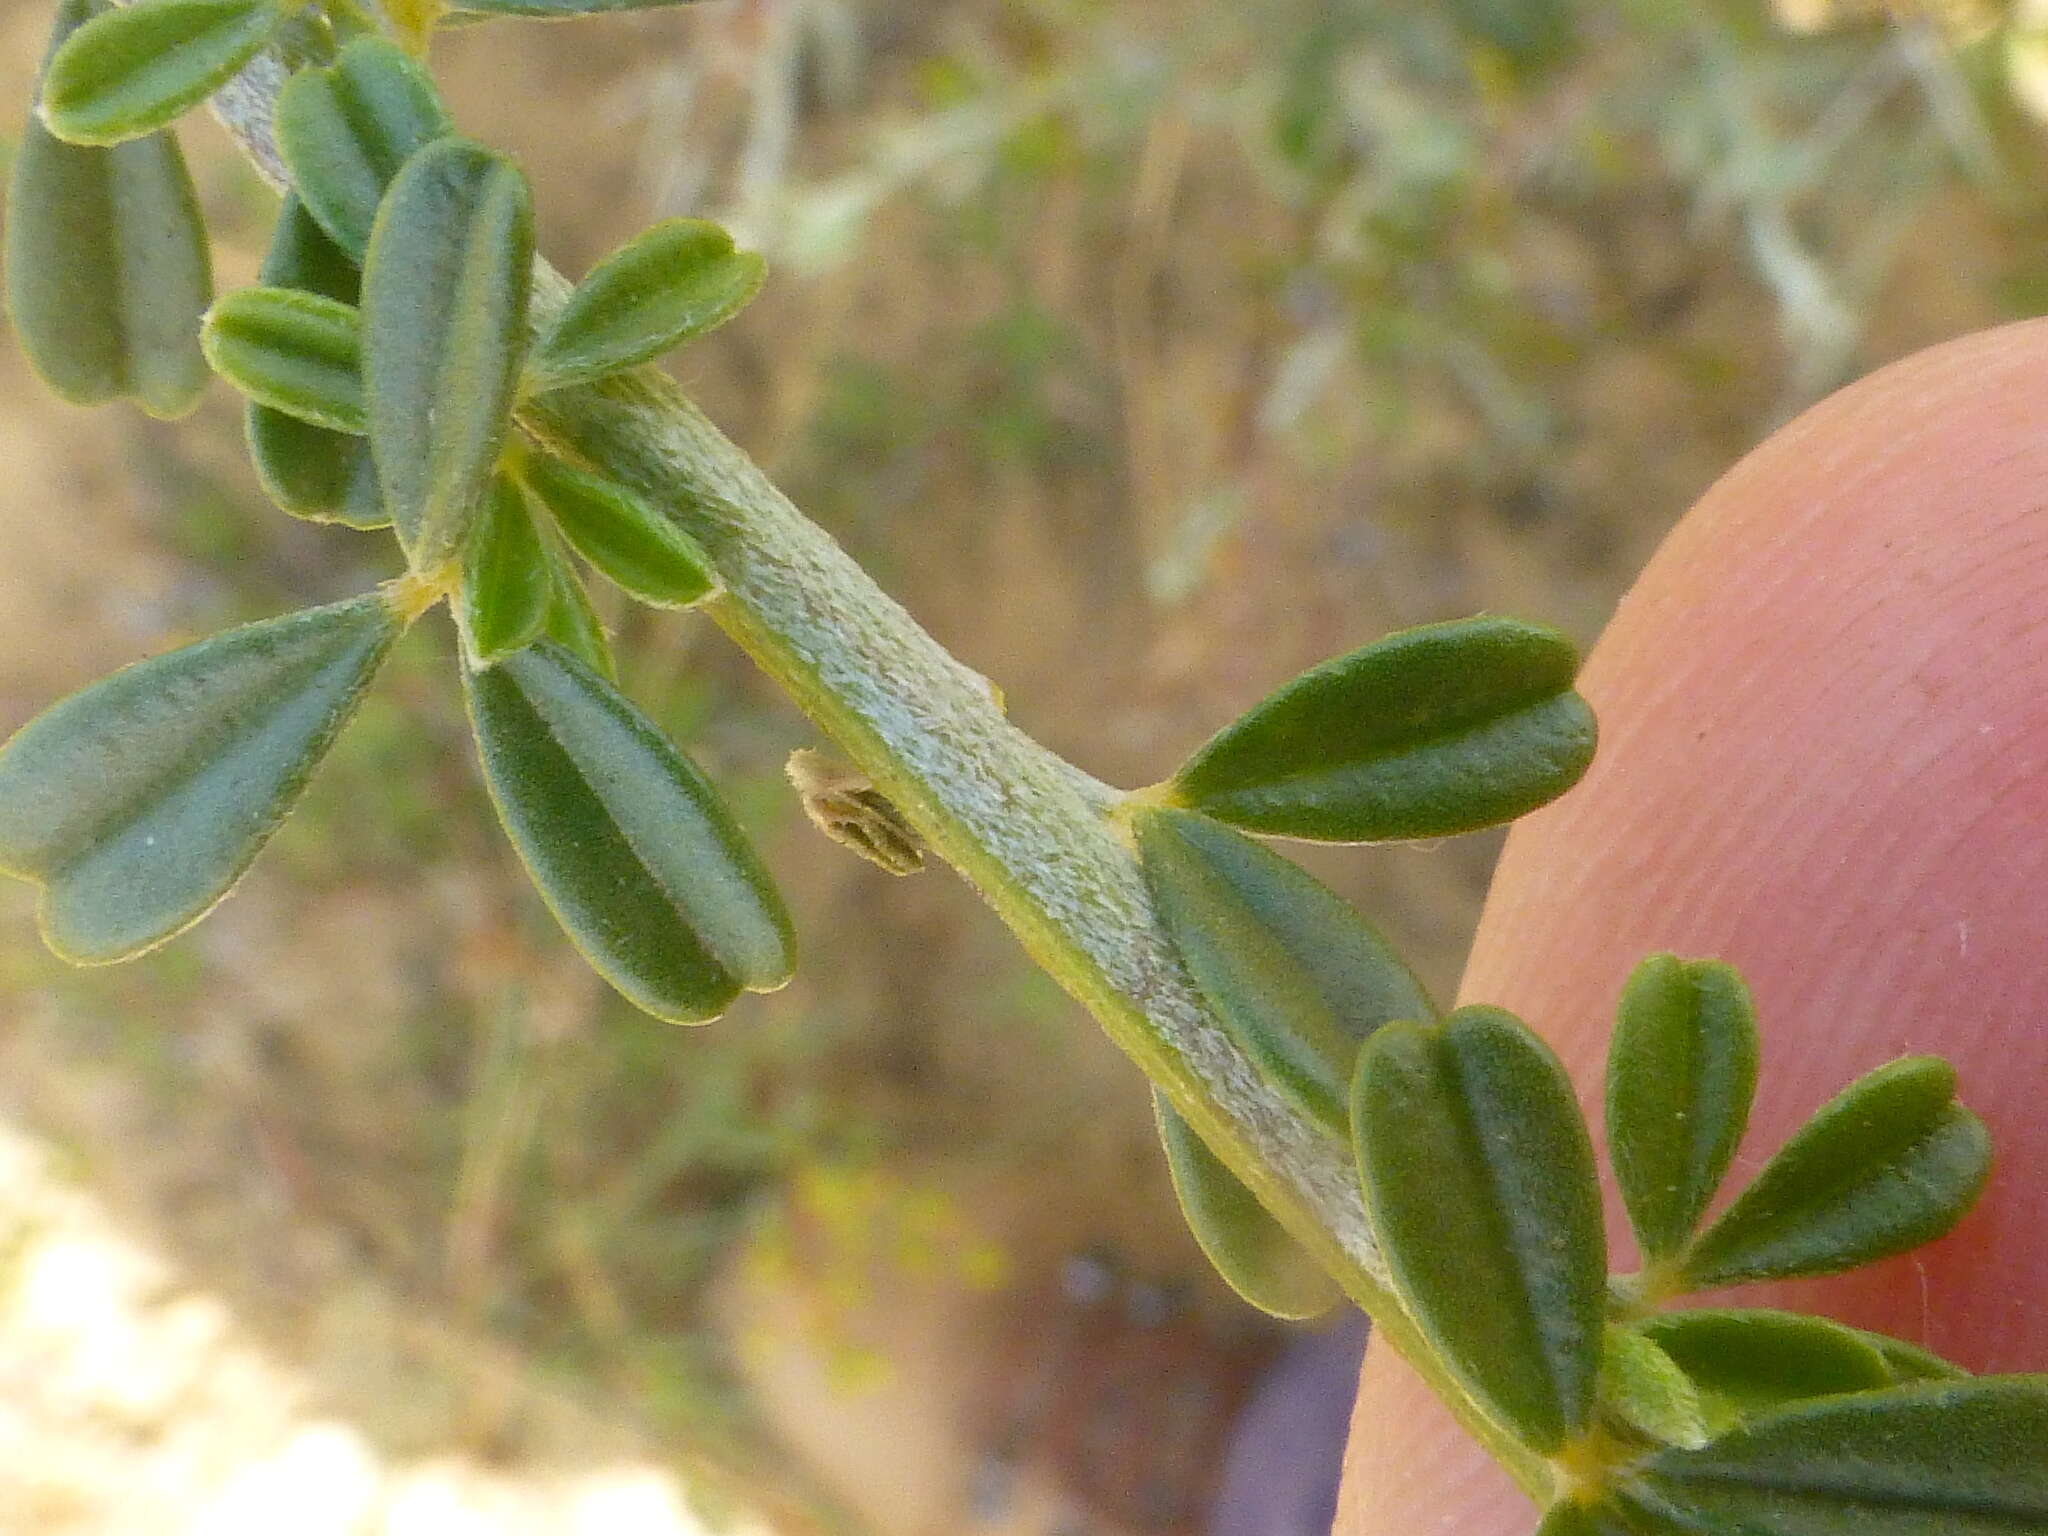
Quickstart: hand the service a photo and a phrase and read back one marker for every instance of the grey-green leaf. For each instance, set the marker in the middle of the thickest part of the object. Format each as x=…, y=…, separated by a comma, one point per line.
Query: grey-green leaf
x=135, y=68
x=1645, y=1388
x=572, y=620
x=674, y=281
x=1294, y=975
x=1478, y=1175
x=138, y=803
x=346, y=130
x=626, y=840
x=1250, y=1250
x=294, y=352
x=507, y=580
x=1755, y=1360
x=1965, y=1458
x=631, y=544
x=1892, y=1162
x=1428, y=732
x=107, y=271
x=309, y=471
x=1680, y=1076
x=445, y=287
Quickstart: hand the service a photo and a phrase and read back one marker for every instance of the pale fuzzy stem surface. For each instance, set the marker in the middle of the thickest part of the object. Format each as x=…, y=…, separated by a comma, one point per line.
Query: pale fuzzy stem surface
x=1027, y=828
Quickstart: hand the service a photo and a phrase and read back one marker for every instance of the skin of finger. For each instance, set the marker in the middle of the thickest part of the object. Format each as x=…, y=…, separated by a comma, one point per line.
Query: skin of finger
x=1824, y=758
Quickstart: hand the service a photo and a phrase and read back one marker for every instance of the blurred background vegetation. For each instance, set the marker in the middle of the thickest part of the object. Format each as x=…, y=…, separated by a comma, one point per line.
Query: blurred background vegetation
x=1149, y=352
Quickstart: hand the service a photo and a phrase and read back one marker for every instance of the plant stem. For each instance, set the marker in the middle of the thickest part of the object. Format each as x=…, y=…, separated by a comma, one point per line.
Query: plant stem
x=1030, y=830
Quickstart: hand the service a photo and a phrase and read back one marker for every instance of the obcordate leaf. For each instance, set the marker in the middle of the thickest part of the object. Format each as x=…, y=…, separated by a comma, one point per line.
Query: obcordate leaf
x=445, y=288
x=626, y=841
x=346, y=130
x=138, y=803
x=295, y=352
x=674, y=281
x=631, y=544
x=107, y=265
x=507, y=582
x=573, y=621
x=1680, y=1076
x=1891, y=1163
x=1294, y=976
x=1755, y=1360
x=1478, y=1174
x=1965, y=1458
x=1250, y=1250
x=310, y=471
x=1646, y=1389
x=131, y=70
x=1431, y=731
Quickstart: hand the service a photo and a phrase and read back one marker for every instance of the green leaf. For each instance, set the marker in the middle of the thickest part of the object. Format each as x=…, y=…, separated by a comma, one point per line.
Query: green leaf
x=1646, y=1389
x=1963, y=1458
x=346, y=130
x=304, y=471
x=572, y=621
x=297, y=353
x=631, y=544
x=1590, y=1520
x=106, y=263
x=1250, y=1250
x=130, y=71
x=507, y=581
x=1478, y=1175
x=1294, y=976
x=1891, y=1163
x=1756, y=1360
x=445, y=289
x=1680, y=1076
x=628, y=843
x=309, y=471
x=670, y=283
x=1909, y=1362
x=1428, y=732
x=138, y=803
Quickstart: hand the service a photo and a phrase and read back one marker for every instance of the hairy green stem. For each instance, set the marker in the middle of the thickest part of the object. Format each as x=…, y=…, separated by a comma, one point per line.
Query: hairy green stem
x=1030, y=830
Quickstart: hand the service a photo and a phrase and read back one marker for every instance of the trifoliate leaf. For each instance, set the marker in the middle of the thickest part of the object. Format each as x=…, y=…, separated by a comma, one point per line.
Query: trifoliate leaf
x=1478, y=1175
x=1891, y=1163
x=346, y=130
x=1965, y=1458
x=1680, y=1076
x=295, y=352
x=131, y=70
x=445, y=288
x=309, y=471
x=107, y=266
x=627, y=541
x=1250, y=1250
x=1645, y=1388
x=507, y=580
x=1295, y=977
x=1755, y=1360
x=666, y=285
x=629, y=845
x=138, y=803
x=1428, y=732
x=573, y=621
